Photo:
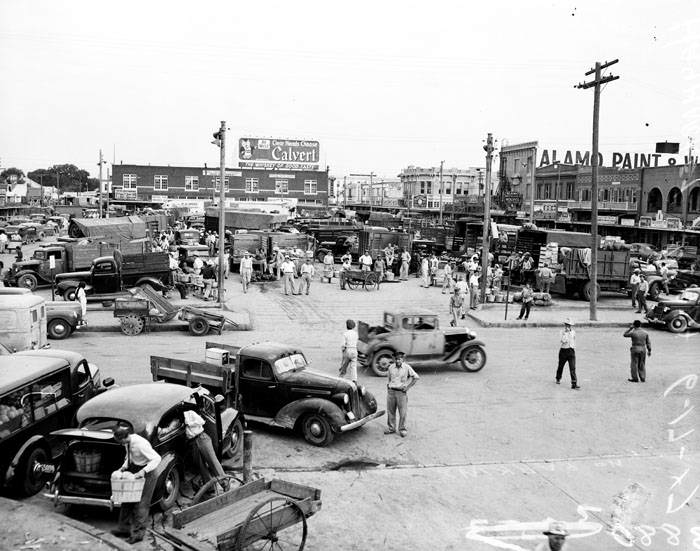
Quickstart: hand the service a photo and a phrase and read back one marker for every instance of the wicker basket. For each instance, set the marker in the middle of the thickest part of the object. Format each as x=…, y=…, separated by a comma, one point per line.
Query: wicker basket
x=87, y=461
x=127, y=490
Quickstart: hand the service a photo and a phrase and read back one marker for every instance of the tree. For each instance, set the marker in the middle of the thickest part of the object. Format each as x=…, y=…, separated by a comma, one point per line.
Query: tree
x=9, y=172
x=68, y=177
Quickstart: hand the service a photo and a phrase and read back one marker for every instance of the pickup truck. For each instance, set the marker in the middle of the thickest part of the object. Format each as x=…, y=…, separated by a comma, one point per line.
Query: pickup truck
x=110, y=276
x=68, y=257
x=270, y=383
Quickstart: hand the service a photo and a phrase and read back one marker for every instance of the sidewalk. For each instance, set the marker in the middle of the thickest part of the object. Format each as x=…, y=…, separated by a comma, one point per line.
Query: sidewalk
x=26, y=526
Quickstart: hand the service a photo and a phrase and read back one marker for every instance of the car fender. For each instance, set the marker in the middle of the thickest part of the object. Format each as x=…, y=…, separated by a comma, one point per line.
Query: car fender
x=673, y=313
x=455, y=354
x=152, y=281
x=166, y=460
x=228, y=418
x=292, y=412
x=67, y=284
x=25, y=271
x=36, y=440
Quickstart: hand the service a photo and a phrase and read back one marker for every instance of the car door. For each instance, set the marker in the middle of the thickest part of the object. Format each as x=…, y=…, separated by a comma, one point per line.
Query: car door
x=83, y=380
x=105, y=278
x=426, y=338
x=212, y=421
x=400, y=337
x=258, y=388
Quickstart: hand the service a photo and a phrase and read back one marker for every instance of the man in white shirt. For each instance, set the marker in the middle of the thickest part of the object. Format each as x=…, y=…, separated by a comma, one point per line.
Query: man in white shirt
x=204, y=454
x=246, y=270
x=567, y=353
x=307, y=272
x=3, y=242
x=288, y=268
x=348, y=365
x=400, y=378
x=635, y=280
x=366, y=262
x=345, y=266
x=141, y=460
x=663, y=272
x=463, y=287
x=447, y=282
x=474, y=288
x=405, y=263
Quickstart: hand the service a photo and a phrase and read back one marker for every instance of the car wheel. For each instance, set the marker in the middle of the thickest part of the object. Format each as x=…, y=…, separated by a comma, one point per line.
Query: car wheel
x=171, y=488
x=199, y=327
x=233, y=441
x=473, y=359
x=59, y=329
x=677, y=325
x=28, y=281
x=653, y=293
x=316, y=429
x=69, y=294
x=381, y=360
x=32, y=481
x=320, y=256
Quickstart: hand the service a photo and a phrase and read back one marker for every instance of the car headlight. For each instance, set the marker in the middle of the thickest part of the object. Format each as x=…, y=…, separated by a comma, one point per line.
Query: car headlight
x=361, y=390
x=346, y=399
x=666, y=309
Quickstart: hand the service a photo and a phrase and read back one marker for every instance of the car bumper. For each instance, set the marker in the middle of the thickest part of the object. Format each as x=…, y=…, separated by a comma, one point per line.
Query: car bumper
x=77, y=500
x=360, y=422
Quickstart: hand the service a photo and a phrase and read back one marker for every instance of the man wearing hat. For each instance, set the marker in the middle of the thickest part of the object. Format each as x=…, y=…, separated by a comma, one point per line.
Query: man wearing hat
x=556, y=538
x=401, y=377
x=246, y=270
x=567, y=352
x=634, y=285
x=641, y=348
x=642, y=291
x=288, y=269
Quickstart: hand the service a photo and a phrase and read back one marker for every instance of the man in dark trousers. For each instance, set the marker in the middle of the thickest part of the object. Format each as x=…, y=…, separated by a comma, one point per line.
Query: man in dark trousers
x=641, y=348
x=567, y=352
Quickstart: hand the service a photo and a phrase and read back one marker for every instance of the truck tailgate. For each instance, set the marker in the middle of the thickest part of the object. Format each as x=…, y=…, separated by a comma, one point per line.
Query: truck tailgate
x=192, y=374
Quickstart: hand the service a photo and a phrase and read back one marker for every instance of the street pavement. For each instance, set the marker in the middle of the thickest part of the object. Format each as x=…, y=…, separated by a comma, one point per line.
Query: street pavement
x=504, y=444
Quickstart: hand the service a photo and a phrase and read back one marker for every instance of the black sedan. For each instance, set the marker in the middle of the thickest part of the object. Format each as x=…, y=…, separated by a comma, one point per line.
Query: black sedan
x=154, y=411
x=678, y=314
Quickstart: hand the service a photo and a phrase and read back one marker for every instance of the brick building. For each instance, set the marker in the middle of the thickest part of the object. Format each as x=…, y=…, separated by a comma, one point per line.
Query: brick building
x=151, y=183
x=673, y=190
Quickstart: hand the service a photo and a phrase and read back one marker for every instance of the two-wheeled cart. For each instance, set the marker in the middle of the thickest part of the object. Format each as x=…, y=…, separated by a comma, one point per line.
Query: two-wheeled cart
x=264, y=514
x=368, y=280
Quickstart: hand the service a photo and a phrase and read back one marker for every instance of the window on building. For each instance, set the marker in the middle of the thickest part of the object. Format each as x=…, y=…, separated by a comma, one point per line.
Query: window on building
x=422, y=188
x=633, y=196
x=160, y=182
x=129, y=181
x=448, y=189
x=429, y=188
x=310, y=187
x=252, y=185
x=191, y=183
x=282, y=187
x=516, y=166
x=217, y=184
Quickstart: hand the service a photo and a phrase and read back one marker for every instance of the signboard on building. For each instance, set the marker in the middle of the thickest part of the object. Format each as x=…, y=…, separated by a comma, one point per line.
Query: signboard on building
x=607, y=219
x=125, y=194
x=274, y=151
x=627, y=221
x=210, y=172
x=159, y=198
x=282, y=166
x=674, y=223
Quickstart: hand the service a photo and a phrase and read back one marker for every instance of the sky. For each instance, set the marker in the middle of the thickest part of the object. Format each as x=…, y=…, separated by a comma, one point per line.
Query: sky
x=380, y=84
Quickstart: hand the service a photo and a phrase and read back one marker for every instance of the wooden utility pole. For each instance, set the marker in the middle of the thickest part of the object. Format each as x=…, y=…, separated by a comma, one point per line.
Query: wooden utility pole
x=486, y=241
x=441, y=190
x=345, y=192
x=102, y=161
x=220, y=140
x=595, y=84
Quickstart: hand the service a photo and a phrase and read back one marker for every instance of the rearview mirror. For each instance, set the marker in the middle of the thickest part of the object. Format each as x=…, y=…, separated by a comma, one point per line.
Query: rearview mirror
x=109, y=381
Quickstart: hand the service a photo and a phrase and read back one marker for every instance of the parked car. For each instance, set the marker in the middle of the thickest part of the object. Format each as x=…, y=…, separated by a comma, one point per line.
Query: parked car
x=40, y=391
x=154, y=411
x=62, y=318
x=678, y=313
x=418, y=335
x=678, y=281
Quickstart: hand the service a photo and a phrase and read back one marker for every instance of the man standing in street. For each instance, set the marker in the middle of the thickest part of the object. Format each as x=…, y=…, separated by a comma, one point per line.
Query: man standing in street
x=348, y=365
x=463, y=287
x=246, y=270
x=288, y=268
x=401, y=377
x=209, y=276
x=567, y=352
x=405, y=263
x=641, y=348
x=141, y=460
x=642, y=291
x=527, y=302
x=663, y=272
x=474, y=288
x=635, y=280
x=366, y=262
x=447, y=281
x=556, y=538
x=456, y=304
x=344, y=267
x=307, y=272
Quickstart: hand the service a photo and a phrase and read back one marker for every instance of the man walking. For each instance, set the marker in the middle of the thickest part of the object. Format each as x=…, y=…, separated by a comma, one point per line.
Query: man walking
x=246, y=270
x=663, y=272
x=635, y=280
x=642, y=291
x=641, y=348
x=288, y=268
x=447, y=281
x=463, y=288
x=348, y=365
x=209, y=276
x=474, y=288
x=405, y=262
x=528, y=299
x=567, y=352
x=307, y=272
x=401, y=377
x=456, y=304
x=344, y=268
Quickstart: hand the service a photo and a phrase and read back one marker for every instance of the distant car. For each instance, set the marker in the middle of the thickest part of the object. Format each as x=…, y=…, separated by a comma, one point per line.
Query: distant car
x=679, y=313
x=642, y=250
x=677, y=282
x=154, y=411
x=418, y=335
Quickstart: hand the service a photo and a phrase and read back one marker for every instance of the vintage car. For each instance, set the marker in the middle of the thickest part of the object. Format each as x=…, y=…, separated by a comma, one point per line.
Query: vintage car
x=678, y=313
x=154, y=411
x=677, y=282
x=62, y=318
x=418, y=335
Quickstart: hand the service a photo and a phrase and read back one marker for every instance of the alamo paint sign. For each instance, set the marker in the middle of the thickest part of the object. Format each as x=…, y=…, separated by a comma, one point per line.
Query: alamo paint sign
x=614, y=160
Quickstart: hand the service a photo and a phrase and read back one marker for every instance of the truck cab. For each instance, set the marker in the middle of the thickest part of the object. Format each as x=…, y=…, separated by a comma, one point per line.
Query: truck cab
x=36, y=270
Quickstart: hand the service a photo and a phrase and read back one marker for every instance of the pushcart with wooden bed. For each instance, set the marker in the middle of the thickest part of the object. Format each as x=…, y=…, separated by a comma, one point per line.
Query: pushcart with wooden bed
x=368, y=280
x=264, y=514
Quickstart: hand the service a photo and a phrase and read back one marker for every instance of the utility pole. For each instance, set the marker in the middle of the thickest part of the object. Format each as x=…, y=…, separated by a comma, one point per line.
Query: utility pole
x=595, y=84
x=532, y=185
x=220, y=140
x=486, y=241
x=441, y=190
x=371, y=175
x=345, y=192
x=102, y=161
x=556, y=194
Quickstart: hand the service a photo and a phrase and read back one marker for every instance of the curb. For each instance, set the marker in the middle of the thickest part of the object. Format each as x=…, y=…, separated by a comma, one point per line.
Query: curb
x=535, y=324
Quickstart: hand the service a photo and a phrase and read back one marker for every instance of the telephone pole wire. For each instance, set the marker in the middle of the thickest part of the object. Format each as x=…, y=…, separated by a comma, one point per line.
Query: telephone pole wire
x=595, y=84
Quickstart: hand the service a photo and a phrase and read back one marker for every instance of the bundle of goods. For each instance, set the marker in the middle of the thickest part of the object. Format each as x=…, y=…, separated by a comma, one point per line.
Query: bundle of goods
x=87, y=461
x=126, y=488
x=542, y=299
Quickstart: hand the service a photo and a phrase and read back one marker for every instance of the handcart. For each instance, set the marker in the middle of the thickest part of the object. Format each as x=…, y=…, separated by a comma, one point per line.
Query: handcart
x=362, y=278
x=264, y=514
x=201, y=321
x=144, y=306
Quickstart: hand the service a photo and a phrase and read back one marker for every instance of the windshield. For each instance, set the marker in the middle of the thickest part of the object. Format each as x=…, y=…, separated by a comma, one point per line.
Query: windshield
x=293, y=362
x=689, y=296
x=101, y=423
x=40, y=255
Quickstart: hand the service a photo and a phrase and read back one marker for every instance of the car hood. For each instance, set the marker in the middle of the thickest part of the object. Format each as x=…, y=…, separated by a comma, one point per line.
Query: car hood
x=308, y=378
x=61, y=306
x=455, y=331
x=31, y=263
x=674, y=304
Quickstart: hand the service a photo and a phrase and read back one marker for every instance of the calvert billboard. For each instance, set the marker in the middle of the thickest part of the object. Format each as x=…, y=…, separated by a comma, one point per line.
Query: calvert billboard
x=278, y=151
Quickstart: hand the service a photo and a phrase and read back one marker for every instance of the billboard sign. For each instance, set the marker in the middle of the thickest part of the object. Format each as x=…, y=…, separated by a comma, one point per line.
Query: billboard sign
x=267, y=150
x=125, y=194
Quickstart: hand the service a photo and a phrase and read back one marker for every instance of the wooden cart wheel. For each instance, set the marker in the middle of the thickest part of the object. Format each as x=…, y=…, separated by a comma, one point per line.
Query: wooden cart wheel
x=215, y=487
x=278, y=523
x=199, y=327
x=371, y=282
x=131, y=324
x=351, y=283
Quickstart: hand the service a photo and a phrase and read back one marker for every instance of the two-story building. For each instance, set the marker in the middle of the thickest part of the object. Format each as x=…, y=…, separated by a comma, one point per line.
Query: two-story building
x=422, y=186
x=159, y=184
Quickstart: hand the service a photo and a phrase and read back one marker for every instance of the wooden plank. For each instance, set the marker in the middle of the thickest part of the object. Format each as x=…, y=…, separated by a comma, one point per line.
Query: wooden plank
x=187, y=540
x=181, y=518
x=297, y=491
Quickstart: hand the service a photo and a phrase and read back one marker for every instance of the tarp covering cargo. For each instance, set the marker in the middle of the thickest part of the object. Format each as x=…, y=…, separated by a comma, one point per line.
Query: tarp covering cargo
x=243, y=219
x=123, y=228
